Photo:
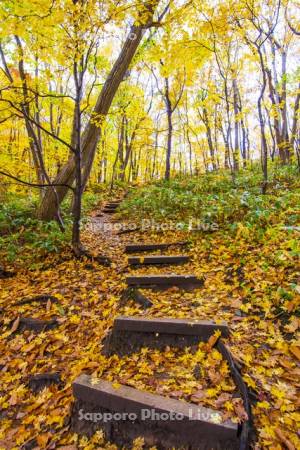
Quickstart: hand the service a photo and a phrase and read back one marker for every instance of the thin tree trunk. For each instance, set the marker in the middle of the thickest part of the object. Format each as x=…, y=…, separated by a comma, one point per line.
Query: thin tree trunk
x=264, y=147
x=209, y=138
x=276, y=121
x=76, y=141
x=236, y=126
x=170, y=130
x=295, y=121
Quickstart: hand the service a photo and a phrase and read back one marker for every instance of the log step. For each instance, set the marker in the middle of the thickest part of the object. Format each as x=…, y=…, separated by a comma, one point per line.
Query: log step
x=108, y=206
x=201, y=328
x=130, y=334
x=108, y=211
x=115, y=203
x=164, y=281
x=132, y=248
x=156, y=260
x=125, y=413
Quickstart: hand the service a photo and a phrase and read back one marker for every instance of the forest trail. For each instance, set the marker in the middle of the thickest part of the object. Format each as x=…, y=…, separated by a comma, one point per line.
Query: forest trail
x=186, y=294
x=135, y=334
x=86, y=299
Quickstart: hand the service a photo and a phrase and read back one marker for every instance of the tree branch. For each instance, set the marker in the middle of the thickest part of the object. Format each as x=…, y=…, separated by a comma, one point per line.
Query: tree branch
x=27, y=183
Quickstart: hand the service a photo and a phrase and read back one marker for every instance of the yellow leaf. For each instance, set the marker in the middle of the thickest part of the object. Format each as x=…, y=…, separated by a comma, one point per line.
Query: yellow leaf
x=75, y=319
x=295, y=350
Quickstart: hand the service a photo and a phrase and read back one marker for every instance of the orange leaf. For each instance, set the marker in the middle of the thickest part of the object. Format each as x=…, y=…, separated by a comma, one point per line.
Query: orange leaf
x=213, y=339
x=295, y=350
x=43, y=439
x=15, y=325
x=283, y=439
x=48, y=306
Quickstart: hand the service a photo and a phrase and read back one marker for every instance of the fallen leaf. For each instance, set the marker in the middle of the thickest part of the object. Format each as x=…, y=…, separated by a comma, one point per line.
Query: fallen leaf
x=239, y=409
x=42, y=439
x=198, y=396
x=222, y=399
x=48, y=306
x=283, y=439
x=213, y=339
x=295, y=350
x=15, y=325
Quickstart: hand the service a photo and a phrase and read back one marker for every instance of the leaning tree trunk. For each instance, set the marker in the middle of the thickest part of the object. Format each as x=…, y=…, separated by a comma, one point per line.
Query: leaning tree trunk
x=91, y=134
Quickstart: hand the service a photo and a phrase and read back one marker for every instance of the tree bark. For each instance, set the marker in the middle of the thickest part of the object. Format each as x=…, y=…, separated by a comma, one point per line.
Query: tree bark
x=236, y=125
x=295, y=118
x=264, y=146
x=209, y=138
x=169, y=140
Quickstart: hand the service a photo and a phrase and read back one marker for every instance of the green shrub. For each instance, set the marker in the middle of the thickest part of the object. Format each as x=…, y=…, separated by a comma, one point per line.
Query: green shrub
x=216, y=198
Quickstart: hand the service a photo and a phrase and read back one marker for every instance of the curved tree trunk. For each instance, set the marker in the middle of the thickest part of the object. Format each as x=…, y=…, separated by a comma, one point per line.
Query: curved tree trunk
x=91, y=134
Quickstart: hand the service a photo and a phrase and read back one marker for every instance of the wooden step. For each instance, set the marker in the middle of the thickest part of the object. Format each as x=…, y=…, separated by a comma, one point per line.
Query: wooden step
x=164, y=281
x=111, y=208
x=108, y=211
x=201, y=328
x=116, y=203
x=163, y=422
x=156, y=260
x=130, y=334
x=133, y=248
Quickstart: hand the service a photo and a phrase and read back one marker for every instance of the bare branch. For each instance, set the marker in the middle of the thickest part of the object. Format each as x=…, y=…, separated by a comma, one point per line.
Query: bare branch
x=27, y=183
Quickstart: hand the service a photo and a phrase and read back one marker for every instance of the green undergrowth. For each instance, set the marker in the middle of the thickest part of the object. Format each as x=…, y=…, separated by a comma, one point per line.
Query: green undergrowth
x=24, y=237
x=215, y=198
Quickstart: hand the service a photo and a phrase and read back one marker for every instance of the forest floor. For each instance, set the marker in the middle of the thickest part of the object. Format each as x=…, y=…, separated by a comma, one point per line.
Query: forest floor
x=253, y=284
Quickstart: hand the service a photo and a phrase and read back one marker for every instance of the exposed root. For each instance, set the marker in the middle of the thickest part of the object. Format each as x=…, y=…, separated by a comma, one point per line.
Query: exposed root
x=81, y=253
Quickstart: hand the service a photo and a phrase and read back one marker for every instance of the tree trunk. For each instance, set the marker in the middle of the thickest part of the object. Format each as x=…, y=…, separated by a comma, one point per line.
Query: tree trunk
x=285, y=131
x=170, y=130
x=295, y=120
x=276, y=121
x=92, y=131
x=264, y=147
x=76, y=141
x=169, y=145
x=236, y=126
x=209, y=138
x=227, y=163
